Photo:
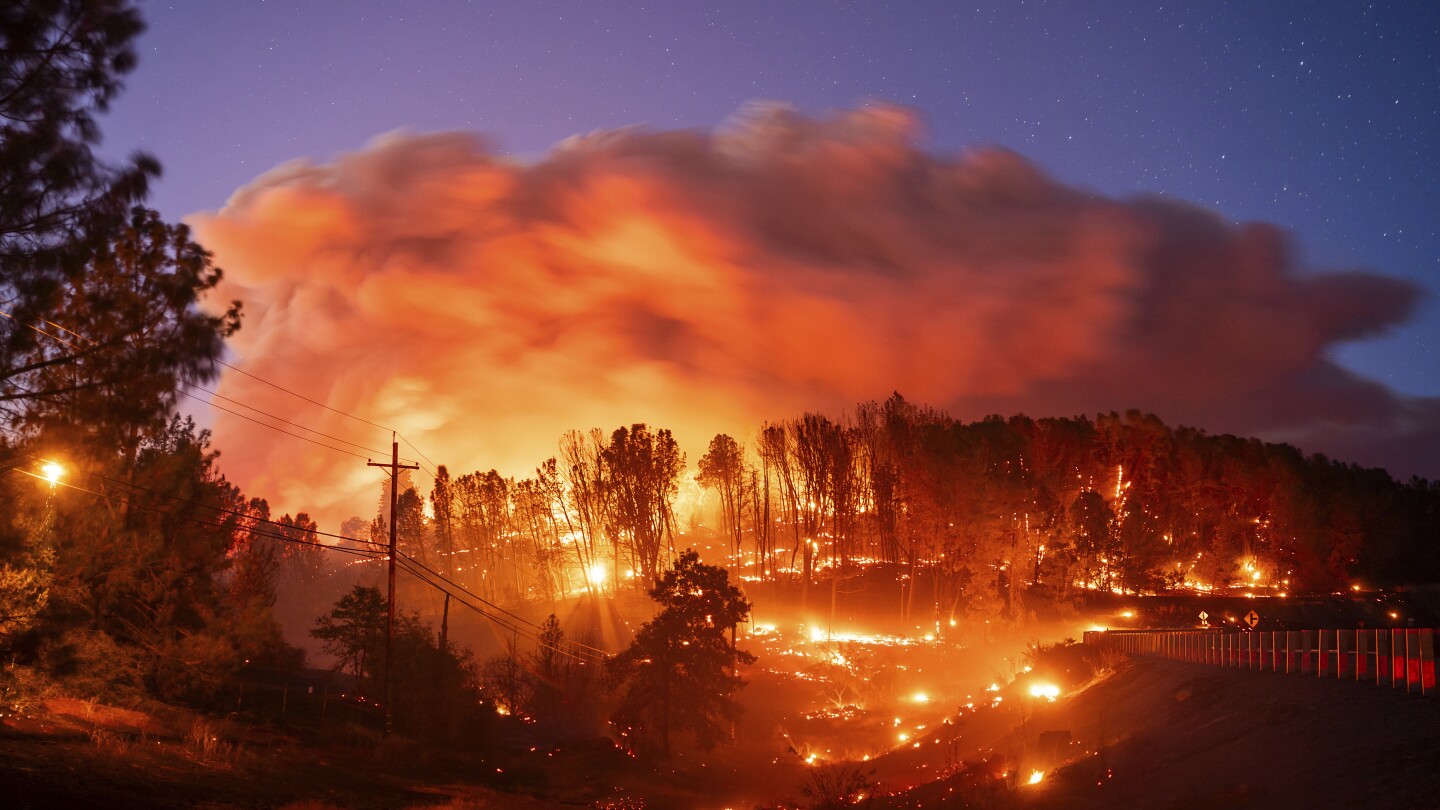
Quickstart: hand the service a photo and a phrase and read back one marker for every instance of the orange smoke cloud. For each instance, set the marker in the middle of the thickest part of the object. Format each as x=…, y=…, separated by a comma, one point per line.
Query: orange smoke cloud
x=706, y=281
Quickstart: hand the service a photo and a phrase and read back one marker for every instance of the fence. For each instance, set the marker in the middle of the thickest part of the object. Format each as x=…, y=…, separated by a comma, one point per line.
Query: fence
x=303, y=704
x=1398, y=658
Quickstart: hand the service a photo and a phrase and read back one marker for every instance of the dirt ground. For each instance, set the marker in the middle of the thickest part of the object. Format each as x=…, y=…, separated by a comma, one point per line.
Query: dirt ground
x=1175, y=735
x=74, y=754
x=1164, y=734
x=1151, y=734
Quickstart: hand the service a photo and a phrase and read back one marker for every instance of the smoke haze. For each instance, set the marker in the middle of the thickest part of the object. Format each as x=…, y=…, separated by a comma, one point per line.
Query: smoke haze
x=706, y=281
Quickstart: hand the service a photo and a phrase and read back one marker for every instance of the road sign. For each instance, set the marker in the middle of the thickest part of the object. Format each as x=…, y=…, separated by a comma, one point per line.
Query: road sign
x=1252, y=618
x=1204, y=615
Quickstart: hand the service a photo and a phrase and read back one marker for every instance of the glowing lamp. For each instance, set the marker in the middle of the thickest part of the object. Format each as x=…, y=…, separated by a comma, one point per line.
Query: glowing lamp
x=52, y=472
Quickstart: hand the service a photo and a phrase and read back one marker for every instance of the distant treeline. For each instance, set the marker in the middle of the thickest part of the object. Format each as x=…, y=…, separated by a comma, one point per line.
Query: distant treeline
x=998, y=508
x=992, y=512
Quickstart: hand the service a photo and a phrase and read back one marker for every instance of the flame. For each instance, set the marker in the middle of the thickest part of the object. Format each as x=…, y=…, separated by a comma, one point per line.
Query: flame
x=1049, y=691
x=1036, y=777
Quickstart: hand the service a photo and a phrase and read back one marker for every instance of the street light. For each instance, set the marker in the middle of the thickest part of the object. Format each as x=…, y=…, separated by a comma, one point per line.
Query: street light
x=52, y=472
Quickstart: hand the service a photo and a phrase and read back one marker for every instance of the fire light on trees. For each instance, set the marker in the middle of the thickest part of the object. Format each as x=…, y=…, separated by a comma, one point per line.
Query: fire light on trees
x=679, y=673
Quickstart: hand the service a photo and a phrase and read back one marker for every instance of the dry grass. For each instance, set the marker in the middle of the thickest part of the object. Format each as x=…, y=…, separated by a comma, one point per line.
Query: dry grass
x=206, y=741
x=110, y=742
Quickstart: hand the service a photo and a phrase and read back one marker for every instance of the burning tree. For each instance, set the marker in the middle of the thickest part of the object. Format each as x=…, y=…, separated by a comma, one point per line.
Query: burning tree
x=679, y=673
x=643, y=468
x=723, y=470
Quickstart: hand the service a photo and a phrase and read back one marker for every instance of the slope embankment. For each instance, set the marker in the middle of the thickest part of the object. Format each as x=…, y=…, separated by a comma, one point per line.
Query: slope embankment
x=1166, y=734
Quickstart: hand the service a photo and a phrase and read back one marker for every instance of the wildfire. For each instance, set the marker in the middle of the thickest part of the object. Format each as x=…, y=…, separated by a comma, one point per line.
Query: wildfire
x=1036, y=777
x=1049, y=691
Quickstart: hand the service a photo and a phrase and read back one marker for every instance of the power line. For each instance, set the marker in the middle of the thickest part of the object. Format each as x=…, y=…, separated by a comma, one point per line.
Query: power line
x=134, y=505
x=237, y=513
x=272, y=416
x=429, y=577
x=434, y=468
x=277, y=429
x=401, y=557
x=224, y=510
x=516, y=624
x=482, y=600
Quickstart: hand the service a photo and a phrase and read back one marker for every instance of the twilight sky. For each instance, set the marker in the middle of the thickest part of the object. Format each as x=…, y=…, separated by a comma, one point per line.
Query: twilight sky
x=1321, y=118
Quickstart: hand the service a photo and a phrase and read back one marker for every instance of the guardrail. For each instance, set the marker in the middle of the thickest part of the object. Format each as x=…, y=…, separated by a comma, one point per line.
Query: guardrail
x=1397, y=658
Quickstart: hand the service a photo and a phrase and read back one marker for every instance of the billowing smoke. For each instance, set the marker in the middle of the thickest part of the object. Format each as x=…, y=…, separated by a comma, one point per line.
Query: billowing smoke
x=706, y=281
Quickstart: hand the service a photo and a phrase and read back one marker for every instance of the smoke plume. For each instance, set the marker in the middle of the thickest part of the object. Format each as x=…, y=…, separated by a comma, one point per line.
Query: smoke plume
x=708, y=280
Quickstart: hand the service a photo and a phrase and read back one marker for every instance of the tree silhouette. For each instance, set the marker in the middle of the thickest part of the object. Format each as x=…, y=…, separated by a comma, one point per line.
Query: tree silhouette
x=723, y=470
x=354, y=631
x=61, y=62
x=643, y=468
x=679, y=671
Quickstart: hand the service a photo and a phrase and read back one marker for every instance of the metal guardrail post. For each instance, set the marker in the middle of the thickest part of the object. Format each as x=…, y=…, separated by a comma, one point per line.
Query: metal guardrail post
x=1344, y=654
x=1397, y=658
x=1412, y=661
x=1425, y=638
x=1383, y=659
x=1402, y=658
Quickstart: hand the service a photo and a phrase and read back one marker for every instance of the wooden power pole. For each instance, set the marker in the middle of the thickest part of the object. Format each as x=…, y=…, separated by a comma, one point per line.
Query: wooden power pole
x=395, y=468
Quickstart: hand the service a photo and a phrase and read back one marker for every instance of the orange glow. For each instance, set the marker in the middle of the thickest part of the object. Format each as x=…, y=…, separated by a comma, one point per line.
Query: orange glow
x=52, y=472
x=1036, y=777
x=1049, y=691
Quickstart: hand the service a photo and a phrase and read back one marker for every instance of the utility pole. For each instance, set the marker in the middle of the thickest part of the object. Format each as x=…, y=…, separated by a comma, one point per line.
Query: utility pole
x=395, y=468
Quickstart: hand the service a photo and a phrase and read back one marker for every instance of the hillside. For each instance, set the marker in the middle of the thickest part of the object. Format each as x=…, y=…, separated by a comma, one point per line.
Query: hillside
x=1164, y=734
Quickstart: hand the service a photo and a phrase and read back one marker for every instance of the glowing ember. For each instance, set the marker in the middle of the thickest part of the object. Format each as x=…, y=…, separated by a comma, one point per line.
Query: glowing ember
x=1036, y=776
x=1049, y=691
